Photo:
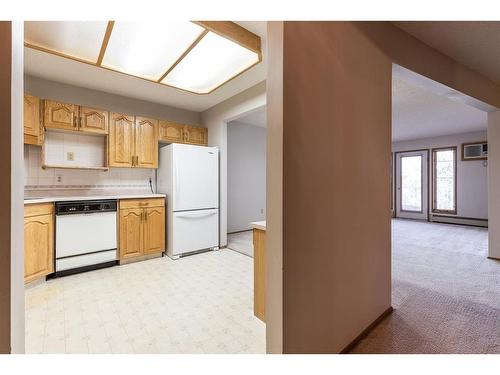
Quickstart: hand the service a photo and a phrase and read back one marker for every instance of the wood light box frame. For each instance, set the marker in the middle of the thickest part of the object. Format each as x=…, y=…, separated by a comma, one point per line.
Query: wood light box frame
x=225, y=29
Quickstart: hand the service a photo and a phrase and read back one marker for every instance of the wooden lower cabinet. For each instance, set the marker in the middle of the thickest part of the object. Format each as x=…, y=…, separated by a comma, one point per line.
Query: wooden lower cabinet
x=131, y=232
x=154, y=230
x=141, y=227
x=259, y=273
x=38, y=241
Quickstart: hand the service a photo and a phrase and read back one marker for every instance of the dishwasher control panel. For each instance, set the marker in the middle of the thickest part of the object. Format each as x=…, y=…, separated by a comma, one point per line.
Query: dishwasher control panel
x=83, y=207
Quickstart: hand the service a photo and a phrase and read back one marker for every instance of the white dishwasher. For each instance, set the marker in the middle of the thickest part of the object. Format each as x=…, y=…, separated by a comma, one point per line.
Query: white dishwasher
x=85, y=236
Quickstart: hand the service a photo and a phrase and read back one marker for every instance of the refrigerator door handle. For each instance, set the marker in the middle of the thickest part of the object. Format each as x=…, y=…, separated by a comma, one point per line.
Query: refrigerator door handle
x=177, y=191
x=196, y=216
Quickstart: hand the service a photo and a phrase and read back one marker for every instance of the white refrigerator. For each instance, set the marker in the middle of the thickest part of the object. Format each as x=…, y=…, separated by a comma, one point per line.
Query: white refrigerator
x=189, y=176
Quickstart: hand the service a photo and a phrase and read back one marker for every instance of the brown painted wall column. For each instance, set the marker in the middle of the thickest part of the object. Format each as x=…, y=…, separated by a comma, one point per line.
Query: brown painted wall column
x=5, y=187
x=336, y=196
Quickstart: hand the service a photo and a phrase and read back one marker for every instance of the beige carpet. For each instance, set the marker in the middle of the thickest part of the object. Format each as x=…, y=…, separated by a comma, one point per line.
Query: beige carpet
x=446, y=293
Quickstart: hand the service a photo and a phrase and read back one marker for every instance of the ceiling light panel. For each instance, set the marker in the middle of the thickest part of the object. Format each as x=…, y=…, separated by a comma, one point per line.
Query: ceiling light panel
x=213, y=61
x=148, y=49
x=78, y=39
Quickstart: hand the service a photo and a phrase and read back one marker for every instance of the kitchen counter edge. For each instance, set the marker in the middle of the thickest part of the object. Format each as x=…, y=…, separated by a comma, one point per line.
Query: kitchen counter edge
x=259, y=225
x=91, y=198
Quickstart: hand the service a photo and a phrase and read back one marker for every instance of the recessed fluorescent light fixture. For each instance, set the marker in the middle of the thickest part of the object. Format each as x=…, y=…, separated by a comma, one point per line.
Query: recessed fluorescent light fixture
x=213, y=61
x=198, y=57
x=80, y=40
x=148, y=49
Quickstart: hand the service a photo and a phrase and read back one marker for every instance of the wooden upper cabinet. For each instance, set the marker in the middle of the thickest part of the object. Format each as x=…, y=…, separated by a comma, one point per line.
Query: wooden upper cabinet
x=195, y=135
x=130, y=233
x=154, y=230
x=146, y=142
x=171, y=132
x=33, y=133
x=93, y=120
x=121, y=140
x=59, y=115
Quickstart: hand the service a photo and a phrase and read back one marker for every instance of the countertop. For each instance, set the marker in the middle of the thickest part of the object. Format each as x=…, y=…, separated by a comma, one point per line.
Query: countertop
x=89, y=197
x=259, y=225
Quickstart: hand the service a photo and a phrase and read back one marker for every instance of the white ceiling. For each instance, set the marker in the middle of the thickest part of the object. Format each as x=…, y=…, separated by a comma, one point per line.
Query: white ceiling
x=420, y=113
x=256, y=118
x=68, y=71
x=474, y=44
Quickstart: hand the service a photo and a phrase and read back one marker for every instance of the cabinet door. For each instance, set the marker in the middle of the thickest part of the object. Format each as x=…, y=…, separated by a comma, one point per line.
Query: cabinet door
x=32, y=131
x=146, y=142
x=171, y=132
x=154, y=230
x=38, y=247
x=59, y=115
x=130, y=241
x=195, y=135
x=259, y=273
x=93, y=120
x=121, y=140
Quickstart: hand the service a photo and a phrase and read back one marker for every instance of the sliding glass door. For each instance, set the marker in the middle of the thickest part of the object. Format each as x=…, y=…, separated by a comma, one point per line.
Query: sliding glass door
x=412, y=185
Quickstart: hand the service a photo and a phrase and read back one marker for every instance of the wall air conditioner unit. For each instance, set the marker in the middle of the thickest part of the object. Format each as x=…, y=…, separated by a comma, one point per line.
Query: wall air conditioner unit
x=475, y=151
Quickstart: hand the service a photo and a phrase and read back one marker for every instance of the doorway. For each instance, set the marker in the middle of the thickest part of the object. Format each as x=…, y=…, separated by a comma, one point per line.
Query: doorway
x=412, y=186
x=246, y=177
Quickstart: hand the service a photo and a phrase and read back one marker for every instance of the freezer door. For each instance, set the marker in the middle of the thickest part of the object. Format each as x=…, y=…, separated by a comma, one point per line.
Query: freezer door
x=195, y=230
x=195, y=177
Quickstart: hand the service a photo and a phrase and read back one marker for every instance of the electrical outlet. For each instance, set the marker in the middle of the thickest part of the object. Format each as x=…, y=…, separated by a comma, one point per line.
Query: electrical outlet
x=70, y=156
x=59, y=178
x=261, y=210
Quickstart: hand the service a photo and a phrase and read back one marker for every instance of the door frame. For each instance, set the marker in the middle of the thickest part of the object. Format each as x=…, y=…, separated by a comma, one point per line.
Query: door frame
x=395, y=180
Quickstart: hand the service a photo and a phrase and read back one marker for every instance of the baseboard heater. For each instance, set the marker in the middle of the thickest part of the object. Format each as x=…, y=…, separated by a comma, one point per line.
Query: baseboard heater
x=447, y=219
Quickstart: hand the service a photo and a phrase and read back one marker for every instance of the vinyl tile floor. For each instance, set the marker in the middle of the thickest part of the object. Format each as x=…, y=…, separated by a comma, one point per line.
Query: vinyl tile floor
x=198, y=304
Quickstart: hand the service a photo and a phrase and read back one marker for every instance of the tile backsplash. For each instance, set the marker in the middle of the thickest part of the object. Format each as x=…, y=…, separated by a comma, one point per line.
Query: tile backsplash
x=36, y=178
x=86, y=150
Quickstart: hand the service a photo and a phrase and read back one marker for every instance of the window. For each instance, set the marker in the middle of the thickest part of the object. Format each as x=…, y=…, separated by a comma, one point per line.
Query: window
x=411, y=183
x=444, y=180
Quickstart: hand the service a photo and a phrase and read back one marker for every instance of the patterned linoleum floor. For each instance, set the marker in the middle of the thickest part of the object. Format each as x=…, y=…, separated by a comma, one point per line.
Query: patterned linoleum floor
x=197, y=304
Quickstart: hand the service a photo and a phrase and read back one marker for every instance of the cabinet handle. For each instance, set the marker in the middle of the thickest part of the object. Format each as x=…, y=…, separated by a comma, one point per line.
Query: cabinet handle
x=74, y=121
x=80, y=120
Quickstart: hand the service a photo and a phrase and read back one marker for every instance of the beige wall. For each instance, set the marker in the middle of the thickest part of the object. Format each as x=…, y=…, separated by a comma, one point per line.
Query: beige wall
x=17, y=197
x=46, y=89
x=409, y=52
x=274, y=190
x=335, y=104
x=336, y=193
x=5, y=155
x=494, y=184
